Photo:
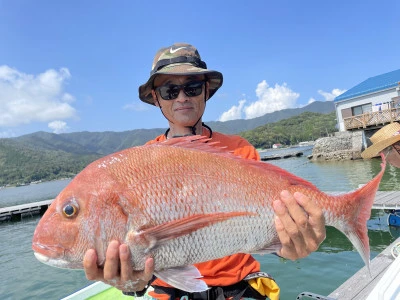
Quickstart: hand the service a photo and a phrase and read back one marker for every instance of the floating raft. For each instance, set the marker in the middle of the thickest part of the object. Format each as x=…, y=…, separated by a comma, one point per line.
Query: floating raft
x=17, y=212
x=281, y=155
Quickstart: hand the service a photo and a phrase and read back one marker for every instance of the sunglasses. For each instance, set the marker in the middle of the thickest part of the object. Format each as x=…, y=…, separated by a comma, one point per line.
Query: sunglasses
x=171, y=91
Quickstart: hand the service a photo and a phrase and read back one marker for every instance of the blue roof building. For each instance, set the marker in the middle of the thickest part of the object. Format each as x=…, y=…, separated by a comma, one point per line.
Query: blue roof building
x=371, y=103
x=373, y=84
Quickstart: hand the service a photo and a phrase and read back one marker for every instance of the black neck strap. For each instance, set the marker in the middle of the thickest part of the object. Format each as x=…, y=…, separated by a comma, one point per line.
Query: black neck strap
x=203, y=124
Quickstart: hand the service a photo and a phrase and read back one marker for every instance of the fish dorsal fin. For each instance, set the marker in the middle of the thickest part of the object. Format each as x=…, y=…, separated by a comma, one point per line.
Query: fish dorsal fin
x=196, y=142
x=293, y=179
x=203, y=143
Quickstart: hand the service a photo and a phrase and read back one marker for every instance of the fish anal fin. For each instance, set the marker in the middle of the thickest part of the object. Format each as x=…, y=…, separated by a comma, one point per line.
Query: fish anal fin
x=185, y=278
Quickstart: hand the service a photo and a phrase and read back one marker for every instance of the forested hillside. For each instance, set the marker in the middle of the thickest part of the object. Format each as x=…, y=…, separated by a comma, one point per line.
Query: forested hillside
x=47, y=156
x=306, y=127
x=20, y=164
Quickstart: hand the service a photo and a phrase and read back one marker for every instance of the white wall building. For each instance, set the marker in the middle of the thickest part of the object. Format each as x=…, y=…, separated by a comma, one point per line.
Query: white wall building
x=370, y=104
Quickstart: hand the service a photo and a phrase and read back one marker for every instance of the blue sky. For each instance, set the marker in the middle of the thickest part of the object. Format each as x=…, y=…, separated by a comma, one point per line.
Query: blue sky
x=68, y=66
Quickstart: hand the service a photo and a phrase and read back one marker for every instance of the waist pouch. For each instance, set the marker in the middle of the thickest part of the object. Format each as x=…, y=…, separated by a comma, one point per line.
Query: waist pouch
x=259, y=285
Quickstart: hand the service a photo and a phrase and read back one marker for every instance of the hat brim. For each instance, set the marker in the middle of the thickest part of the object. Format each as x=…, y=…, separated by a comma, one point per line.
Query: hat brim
x=375, y=148
x=214, y=79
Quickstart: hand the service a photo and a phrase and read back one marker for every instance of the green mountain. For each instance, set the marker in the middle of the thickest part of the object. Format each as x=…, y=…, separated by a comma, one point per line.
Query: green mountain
x=305, y=127
x=237, y=126
x=47, y=156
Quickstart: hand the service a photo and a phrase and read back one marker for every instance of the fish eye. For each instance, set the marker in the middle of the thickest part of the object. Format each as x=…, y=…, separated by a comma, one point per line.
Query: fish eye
x=70, y=210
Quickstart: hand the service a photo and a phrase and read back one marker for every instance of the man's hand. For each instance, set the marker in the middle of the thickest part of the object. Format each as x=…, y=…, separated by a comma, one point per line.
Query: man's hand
x=118, y=269
x=300, y=224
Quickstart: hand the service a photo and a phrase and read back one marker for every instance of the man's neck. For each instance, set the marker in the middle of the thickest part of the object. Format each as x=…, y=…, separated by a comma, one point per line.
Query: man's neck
x=176, y=131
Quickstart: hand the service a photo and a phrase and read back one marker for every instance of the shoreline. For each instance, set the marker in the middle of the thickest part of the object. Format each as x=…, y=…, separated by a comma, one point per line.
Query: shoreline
x=8, y=186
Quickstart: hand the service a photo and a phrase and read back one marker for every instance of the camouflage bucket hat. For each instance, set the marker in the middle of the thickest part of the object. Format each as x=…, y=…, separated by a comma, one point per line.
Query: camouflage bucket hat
x=179, y=59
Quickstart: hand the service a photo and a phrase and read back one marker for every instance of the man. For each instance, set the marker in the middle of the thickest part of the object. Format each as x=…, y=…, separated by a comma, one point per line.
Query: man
x=180, y=85
x=387, y=141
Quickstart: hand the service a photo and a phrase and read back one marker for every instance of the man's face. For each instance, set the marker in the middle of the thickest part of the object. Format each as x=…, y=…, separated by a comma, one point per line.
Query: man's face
x=393, y=154
x=184, y=110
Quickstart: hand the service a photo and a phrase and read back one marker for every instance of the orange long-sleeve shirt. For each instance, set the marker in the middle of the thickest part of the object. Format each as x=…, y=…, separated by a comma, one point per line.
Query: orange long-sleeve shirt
x=230, y=269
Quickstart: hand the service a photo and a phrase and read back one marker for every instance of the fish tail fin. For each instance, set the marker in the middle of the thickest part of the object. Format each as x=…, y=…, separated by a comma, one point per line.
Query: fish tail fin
x=356, y=210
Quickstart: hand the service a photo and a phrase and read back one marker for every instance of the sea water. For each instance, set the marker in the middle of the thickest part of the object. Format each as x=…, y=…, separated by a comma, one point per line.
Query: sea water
x=23, y=277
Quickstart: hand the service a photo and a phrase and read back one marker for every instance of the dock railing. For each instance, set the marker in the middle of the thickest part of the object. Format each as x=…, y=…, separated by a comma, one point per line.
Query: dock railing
x=372, y=119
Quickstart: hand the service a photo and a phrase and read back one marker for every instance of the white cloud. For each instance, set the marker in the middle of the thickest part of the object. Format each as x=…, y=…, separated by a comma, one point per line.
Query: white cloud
x=328, y=96
x=235, y=112
x=27, y=98
x=136, y=106
x=311, y=101
x=270, y=99
x=58, y=126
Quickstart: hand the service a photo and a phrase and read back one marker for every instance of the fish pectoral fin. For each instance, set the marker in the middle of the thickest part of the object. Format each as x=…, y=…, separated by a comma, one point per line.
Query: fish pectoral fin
x=158, y=235
x=184, y=278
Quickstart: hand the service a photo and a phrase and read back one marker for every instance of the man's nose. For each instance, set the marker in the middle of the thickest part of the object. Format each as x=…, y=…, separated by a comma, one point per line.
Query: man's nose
x=182, y=96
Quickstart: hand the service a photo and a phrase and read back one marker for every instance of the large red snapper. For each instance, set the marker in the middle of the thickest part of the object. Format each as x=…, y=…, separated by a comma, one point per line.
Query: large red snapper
x=183, y=201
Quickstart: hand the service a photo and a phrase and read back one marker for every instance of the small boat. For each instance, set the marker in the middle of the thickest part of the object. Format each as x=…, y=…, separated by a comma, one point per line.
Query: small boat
x=394, y=217
x=102, y=291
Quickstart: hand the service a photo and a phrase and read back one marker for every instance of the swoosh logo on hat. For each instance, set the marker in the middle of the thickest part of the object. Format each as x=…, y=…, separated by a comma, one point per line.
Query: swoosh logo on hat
x=172, y=51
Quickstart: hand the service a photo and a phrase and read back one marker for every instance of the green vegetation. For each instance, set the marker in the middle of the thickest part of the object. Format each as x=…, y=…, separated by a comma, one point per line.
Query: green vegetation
x=305, y=127
x=47, y=156
x=20, y=164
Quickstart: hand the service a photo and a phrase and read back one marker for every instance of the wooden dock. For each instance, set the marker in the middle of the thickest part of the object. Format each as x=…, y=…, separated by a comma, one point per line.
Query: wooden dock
x=17, y=212
x=387, y=200
x=362, y=284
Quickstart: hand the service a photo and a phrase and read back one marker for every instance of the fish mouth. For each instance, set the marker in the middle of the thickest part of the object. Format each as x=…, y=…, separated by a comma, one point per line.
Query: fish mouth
x=57, y=262
x=51, y=251
x=42, y=258
x=48, y=256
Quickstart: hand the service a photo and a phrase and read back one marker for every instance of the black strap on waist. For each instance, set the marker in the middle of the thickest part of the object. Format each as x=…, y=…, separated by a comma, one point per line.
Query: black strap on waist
x=235, y=291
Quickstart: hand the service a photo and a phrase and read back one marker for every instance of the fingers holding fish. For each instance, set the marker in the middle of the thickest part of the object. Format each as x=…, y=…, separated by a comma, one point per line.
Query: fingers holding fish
x=285, y=239
x=126, y=265
x=316, y=221
x=118, y=269
x=111, y=265
x=140, y=278
x=92, y=271
x=300, y=229
x=288, y=232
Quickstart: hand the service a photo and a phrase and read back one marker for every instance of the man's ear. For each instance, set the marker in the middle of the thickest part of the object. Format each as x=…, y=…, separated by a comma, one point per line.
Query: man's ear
x=207, y=90
x=153, y=93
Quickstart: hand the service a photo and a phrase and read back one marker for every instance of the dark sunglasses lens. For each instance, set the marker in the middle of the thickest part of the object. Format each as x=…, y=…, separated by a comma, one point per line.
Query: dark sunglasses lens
x=169, y=92
x=193, y=89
